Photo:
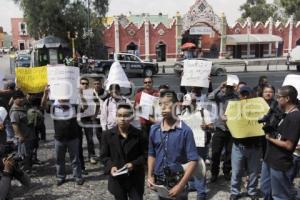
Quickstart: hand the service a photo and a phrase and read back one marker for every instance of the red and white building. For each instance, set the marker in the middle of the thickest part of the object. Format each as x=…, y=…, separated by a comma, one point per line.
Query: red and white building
x=20, y=37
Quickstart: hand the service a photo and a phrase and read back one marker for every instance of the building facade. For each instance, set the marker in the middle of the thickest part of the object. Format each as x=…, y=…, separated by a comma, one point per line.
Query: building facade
x=20, y=37
x=157, y=37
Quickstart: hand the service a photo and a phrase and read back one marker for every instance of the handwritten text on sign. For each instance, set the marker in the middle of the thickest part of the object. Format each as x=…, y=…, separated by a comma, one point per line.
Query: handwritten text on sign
x=196, y=73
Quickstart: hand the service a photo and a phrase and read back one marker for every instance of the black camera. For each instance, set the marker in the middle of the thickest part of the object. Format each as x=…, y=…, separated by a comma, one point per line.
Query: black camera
x=8, y=150
x=272, y=119
x=170, y=177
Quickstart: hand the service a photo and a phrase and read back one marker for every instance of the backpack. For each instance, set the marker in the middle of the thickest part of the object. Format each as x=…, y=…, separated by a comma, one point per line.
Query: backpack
x=35, y=117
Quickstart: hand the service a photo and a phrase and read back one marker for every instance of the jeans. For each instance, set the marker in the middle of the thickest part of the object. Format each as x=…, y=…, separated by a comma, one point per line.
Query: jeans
x=295, y=169
x=220, y=140
x=9, y=130
x=61, y=147
x=25, y=151
x=245, y=156
x=275, y=184
x=200, y=184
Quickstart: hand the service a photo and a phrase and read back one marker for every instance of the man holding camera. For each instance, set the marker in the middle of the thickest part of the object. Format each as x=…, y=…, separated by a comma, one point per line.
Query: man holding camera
x=171, y=144
x=278, y=161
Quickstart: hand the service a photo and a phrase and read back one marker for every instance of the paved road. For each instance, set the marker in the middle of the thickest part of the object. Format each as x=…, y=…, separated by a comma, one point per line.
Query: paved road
x=43, y=180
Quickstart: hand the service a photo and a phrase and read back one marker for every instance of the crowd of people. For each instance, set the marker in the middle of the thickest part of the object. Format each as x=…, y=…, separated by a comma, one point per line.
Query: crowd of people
x=161, y=149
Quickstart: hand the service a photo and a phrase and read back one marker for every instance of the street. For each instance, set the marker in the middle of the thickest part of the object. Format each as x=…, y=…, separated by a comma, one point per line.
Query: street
x=43, y=179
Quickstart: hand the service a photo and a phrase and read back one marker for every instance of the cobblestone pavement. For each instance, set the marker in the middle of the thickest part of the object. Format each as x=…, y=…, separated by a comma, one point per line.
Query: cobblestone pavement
x=44, y=187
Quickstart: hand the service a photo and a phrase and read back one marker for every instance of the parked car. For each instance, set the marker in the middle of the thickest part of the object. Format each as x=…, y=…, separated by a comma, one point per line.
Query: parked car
x=131, y=64
x=23, y=60
x=216, y=70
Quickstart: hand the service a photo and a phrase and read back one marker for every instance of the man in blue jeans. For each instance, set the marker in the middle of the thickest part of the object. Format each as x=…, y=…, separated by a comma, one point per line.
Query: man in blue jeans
x=278, y=161
x=66, y=137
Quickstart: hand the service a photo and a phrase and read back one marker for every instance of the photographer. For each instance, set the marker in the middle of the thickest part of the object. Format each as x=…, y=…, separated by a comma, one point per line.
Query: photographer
x=278, y=161
x=6, y=177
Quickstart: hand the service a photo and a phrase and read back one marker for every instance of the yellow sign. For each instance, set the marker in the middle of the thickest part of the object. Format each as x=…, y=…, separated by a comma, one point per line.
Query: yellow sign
x=31, y=80
x=242, y=117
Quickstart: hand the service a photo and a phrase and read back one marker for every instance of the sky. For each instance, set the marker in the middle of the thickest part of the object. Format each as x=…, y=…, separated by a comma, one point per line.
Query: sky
x=230, y=7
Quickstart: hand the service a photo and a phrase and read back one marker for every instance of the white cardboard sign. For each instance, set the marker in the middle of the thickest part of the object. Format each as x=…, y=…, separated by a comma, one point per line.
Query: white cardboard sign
x=64, y=83
x=196, y=73
x=117, y=75
x=89, y=97
x=194, y=123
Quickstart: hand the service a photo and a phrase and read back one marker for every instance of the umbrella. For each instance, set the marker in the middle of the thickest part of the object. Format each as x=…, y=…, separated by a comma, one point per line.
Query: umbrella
x=188, y=45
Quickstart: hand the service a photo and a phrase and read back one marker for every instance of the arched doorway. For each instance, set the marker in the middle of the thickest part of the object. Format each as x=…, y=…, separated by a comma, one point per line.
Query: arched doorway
x=298, y=42
x=133, y=48
x=161, y=52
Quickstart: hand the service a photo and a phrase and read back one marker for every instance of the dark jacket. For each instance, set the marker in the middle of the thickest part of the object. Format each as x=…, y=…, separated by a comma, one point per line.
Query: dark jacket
x=114, y=155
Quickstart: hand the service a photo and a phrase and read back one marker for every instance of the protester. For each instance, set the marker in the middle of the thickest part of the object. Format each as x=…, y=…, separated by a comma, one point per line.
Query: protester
x=122, y=146
x=171, y=144
x=263, y=80
x=23, y=132
x=281, y=144
x=109, y=108
x=88, y=131
x=148, y=89
x=239, y=86
x=245, y=151
x=66, y=136
x=190, y=110
x=222, y=137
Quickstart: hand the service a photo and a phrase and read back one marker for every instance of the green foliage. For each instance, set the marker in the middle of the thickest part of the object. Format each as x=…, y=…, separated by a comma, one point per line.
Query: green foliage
x=57, y=17
x=292, y=7
x=258, y=10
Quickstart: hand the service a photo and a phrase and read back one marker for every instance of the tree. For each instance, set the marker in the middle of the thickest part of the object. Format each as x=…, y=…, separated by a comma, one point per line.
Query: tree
x=292, y=7
x=58, y=17
x=258, y=10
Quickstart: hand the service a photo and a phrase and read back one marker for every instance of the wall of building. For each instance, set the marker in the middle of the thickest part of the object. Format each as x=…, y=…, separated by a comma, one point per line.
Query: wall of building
x=18, y=36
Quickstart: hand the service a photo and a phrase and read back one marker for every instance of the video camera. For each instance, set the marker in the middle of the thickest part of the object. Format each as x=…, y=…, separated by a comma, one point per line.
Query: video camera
x=170, y=177
x=9, y=150
x=272, y=119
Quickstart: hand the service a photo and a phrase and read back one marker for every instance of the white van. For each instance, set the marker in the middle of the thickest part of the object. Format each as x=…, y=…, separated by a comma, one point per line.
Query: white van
x=294, y=57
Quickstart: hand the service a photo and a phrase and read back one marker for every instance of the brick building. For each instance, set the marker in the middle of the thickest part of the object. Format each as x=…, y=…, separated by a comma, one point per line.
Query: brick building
x=20, y=37
x=157, y=37
x=2, y=35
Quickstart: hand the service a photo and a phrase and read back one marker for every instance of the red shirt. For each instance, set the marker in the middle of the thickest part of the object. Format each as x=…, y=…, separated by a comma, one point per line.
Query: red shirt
x=137, y=100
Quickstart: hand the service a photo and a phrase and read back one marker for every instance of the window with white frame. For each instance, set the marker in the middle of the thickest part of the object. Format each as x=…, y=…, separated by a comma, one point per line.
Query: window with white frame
x=23, y=28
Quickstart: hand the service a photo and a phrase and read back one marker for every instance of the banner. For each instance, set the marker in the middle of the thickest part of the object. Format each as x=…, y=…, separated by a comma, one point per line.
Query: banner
x=31, y=80
x=196, y=73
x=293, y=80
x=242, y=117
x=64, y=83
x=194, y=122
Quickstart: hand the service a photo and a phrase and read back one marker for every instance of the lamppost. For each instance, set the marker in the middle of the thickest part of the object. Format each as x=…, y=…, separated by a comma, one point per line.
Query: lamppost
x=72, y=36
x=88, y=32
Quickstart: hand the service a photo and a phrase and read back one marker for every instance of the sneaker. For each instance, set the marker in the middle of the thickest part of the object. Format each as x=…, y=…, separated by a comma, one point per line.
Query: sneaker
x=213, y=178
x=80, y=181
x=60, y=182
x=93, y=160
x=234, y=197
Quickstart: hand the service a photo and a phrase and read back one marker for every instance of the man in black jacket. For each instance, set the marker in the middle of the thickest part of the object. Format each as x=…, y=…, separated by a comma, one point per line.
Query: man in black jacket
x=123, y=147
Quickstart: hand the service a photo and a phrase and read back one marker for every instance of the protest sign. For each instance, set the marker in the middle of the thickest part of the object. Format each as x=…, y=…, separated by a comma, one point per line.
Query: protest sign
x=117, y=75
x=195, y=124
x=31, y=80
x=147, y=105
x=293, y=80
x=232, y=80
x=64, y=83
x=242, y=117
x=196, y=73
x=91, y=109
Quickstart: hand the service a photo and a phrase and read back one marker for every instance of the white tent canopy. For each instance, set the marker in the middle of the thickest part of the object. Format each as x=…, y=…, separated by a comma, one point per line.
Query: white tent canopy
x=252, y=39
